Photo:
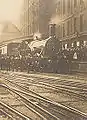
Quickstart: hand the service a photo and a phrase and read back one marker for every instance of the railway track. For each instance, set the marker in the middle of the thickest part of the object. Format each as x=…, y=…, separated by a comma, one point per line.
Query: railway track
x=77, y=89
x=66, y=80
x=11, y=113
x=58, y=107
x=49, y=109
x=16, y=110
x=41, y=113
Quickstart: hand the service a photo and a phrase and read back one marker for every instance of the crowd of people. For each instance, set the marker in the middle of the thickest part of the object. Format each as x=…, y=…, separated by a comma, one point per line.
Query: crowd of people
x=61, y=63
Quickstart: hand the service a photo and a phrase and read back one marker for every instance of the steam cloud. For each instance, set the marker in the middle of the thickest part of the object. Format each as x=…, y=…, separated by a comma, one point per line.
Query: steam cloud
x=38, y=35
x=55, y=20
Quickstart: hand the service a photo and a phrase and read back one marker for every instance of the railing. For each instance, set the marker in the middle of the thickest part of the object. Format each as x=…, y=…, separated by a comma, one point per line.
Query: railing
x=79, y=66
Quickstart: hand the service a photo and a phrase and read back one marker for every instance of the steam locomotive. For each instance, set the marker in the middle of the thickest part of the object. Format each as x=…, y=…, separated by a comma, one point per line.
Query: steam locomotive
x=38, y=55
x=50, y=46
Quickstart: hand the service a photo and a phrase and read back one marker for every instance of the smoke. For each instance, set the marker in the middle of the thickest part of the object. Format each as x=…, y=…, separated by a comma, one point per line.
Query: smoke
x=37, y=35
x=55, y=20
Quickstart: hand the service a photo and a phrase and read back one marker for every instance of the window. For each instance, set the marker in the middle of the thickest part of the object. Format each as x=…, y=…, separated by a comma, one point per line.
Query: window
x=78, y=44
x=63, y=6
x=58, y=8
x=75, y=25
x=71, y=26
x=68, y=27
x=82, y=5
x=72, y=44
x=81, y=22
x=81, y=2
x=66, y=46
x=75, y=3
x=68, y=6
x=71, y=6
x=85, y=43
x=63, y=46
x=59, y=31
x=63, y=30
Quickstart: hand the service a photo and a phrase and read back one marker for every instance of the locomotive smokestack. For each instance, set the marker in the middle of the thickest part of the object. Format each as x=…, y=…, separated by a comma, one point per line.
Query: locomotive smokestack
x=52, y=30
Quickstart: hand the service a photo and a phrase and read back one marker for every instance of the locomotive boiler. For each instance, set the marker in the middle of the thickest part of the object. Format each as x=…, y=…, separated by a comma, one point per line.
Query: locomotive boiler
x=52, y=45
x=49, y=47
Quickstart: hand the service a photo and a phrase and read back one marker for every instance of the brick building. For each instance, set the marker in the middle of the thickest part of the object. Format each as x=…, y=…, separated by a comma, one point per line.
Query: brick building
x=72, y=25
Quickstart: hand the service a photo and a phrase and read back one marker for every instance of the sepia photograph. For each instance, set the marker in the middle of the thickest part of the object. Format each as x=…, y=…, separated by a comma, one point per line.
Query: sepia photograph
x=43, y=59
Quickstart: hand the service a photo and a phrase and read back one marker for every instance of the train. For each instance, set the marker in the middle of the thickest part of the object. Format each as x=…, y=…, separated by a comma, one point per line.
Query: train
x=40, y=55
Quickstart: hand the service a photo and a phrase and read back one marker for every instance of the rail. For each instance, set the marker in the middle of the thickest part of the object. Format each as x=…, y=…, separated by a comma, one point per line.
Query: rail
x=74, y=111
x=9, y=108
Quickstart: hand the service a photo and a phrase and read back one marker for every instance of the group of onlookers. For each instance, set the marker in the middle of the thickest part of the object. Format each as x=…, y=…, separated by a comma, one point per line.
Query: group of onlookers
x=60, y=63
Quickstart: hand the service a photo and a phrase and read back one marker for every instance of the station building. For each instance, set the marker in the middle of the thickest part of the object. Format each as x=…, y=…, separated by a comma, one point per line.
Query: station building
x=72, y=25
